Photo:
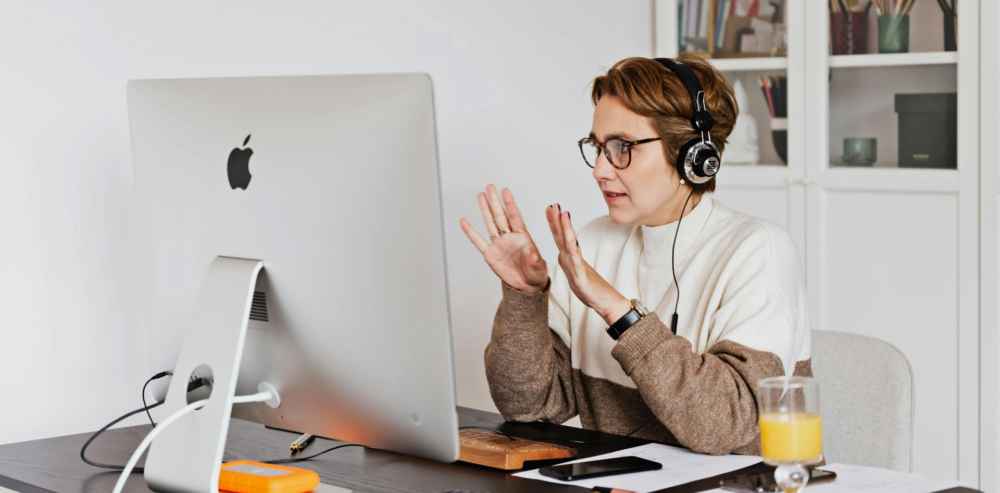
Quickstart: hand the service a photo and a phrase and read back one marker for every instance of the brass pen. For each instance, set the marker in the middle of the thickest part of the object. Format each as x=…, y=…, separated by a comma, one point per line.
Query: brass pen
x=301, y=444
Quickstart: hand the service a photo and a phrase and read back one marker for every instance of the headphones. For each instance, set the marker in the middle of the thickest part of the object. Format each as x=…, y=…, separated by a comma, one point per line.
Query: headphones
x=699, y=159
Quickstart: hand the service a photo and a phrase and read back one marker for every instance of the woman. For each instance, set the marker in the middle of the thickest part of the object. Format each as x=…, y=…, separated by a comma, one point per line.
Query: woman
x=742, y=316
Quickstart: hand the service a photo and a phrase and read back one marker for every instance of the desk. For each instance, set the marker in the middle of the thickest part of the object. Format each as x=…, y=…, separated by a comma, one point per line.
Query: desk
x=54, y=464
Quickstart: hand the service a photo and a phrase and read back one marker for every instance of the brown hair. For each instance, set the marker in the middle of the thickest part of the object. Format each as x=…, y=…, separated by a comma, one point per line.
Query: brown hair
x=651, y=90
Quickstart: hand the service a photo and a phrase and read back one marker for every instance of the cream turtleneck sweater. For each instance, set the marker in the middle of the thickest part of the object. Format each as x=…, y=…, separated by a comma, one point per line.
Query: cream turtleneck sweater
x=742, y=317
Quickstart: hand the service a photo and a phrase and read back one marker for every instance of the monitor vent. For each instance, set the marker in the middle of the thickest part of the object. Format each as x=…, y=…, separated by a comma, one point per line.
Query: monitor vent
x=258, y=309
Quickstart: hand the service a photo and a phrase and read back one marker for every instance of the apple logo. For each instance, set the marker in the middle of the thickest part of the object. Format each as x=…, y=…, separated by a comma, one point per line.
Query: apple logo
x=239, y=166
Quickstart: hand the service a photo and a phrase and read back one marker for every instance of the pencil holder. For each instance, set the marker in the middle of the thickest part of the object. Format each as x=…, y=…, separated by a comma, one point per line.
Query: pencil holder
x=950, y=27
x=860, y=151
x=849, y=32
x=893, y=34
x=779, y=136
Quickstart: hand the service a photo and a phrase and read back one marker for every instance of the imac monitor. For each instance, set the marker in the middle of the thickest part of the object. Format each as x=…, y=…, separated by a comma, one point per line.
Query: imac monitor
x=331, y=181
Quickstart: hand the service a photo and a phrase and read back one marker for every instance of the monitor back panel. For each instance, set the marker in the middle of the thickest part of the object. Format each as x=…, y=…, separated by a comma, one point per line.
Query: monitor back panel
x=340, y=198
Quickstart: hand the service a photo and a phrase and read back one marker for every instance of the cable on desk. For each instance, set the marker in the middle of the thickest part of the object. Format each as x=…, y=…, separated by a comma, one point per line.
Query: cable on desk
x=258, y=397
x=83, y=451
x=130, y=465
x=192, y=385
x=300, y=459
x=580, y=442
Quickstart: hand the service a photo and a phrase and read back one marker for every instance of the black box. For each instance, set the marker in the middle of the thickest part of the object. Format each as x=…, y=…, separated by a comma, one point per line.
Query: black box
x=928, y=130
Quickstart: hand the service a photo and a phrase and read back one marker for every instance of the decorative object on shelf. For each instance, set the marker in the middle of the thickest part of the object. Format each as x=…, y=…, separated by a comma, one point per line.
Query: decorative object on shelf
x=860, y=151
x=894, y=34
x=742, y=147
x=950, y=25
x=893, y=25
x=775, y=91
x=849, y=27
x=928, y=130
x=779, y=136
x=732, y=28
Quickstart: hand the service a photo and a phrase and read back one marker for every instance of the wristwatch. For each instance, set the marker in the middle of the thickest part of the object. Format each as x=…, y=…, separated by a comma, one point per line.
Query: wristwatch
x=628, y=320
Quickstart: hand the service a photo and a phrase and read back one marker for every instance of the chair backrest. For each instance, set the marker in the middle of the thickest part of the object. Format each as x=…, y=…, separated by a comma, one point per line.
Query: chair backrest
x=866, y=400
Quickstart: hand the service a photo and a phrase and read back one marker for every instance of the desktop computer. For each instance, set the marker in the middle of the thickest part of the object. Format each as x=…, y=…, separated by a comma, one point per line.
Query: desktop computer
x=291, y=238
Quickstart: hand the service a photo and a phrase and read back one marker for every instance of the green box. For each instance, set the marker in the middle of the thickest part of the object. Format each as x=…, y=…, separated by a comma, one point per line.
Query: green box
x=928, y=130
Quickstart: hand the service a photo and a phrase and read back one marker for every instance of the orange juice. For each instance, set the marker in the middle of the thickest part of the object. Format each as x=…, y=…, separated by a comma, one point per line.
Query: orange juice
x=790, y=437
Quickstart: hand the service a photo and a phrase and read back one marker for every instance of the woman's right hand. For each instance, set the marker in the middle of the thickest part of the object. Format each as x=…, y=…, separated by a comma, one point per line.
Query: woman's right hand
x=512, y=256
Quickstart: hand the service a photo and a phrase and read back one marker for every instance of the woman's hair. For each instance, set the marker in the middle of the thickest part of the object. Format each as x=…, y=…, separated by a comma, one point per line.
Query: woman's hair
x=655, y=92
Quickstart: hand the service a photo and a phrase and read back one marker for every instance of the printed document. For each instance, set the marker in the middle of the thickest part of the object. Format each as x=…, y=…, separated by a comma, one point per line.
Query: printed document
x=680, y=466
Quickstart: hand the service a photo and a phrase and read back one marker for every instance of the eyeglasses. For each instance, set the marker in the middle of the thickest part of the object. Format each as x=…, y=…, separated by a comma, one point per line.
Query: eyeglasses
x=618, y=151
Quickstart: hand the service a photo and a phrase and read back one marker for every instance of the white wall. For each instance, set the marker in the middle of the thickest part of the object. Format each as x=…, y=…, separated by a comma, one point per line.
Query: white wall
x=511, y=92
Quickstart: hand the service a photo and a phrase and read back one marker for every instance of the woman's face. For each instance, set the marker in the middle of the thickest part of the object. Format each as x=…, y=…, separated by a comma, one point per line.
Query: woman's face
x=649, y=182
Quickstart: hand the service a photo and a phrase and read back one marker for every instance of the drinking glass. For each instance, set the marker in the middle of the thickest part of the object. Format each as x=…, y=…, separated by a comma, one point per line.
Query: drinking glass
x=791, y=432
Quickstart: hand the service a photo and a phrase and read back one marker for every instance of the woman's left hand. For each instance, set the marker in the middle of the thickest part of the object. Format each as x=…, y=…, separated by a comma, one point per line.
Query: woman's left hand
x=585, y=282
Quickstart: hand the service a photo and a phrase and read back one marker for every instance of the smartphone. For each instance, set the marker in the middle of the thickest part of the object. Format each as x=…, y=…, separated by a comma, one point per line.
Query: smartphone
x=598, y=468
x=764, y=483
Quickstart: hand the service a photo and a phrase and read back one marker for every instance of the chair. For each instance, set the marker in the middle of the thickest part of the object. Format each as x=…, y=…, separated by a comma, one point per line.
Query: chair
x=866, y=400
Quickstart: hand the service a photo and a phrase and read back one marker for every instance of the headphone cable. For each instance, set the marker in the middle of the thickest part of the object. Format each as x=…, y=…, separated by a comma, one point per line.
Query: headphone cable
x=673, y=268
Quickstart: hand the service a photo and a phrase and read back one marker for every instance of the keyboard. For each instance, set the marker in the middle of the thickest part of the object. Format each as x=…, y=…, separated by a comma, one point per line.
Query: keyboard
x=499, y=452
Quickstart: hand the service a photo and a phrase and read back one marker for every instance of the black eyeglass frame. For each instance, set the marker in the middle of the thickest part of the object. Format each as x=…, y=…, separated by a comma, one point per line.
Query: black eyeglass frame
x=626, y=146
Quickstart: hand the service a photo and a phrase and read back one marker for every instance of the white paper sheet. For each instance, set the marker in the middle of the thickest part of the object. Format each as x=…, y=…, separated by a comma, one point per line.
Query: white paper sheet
x=680, y=466
x=858, y=479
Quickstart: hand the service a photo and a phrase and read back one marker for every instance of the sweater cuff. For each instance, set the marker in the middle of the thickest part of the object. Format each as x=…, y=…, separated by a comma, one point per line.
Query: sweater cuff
x=510, y=293
x=639, y=340
x=517, y=303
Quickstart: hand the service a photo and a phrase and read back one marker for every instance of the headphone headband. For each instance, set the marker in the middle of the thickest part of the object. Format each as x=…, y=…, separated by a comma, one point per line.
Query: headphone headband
x=698, y=161
x=701, y=119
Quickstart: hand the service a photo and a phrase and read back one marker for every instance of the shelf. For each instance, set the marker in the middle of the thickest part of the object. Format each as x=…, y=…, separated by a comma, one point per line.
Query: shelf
x=921, y=180
x=746, y=64
x=894, y=59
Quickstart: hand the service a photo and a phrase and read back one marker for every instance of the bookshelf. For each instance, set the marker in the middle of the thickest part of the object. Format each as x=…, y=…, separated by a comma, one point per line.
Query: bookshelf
x=888, y=250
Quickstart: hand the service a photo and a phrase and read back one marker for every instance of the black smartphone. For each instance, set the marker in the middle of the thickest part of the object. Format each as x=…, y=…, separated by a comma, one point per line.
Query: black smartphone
x=764, y=483
x=598, y=468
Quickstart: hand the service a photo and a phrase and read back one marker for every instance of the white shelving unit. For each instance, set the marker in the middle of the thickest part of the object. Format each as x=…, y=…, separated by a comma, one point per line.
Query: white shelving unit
x=894, y=59
x=763, y=63
x=889, y=252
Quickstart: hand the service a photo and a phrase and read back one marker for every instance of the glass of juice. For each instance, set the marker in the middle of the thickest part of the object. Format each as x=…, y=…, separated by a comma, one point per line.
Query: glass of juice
x=791, y=432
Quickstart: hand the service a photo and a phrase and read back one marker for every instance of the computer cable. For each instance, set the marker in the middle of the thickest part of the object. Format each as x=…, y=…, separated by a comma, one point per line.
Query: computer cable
x=300, y=459
x=130, y=465
x=192, y=385
x=154, y=377
x=579, y=442
x=83, y=451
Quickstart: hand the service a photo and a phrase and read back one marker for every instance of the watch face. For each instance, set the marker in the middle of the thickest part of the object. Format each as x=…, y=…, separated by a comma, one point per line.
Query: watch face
x=639, y=308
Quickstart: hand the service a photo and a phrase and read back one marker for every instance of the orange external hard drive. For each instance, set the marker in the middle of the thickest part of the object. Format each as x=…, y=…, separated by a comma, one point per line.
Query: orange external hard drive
x=255, y=477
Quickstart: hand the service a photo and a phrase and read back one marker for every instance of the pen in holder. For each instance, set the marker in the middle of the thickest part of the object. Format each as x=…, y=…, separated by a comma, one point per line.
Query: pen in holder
x=894, y=33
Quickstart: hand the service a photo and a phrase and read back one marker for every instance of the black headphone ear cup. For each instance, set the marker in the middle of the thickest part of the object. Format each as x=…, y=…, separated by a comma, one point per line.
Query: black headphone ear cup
x=699, y=161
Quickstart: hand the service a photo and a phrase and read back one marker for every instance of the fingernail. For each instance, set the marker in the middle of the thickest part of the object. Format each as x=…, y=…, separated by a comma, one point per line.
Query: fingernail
x=560, y=207
x=577, y=242
x=568, y=215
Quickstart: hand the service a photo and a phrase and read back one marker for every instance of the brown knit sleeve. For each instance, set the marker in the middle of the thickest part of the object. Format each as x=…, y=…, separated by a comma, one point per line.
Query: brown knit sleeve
x=708, y=402
x=528, y=365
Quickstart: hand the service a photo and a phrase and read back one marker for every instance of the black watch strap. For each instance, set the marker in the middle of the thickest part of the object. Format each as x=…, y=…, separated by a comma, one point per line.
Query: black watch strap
x=628, y=320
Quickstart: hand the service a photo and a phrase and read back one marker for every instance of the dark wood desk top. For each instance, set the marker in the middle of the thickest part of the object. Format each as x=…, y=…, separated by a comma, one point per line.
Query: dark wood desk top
x=54, y=464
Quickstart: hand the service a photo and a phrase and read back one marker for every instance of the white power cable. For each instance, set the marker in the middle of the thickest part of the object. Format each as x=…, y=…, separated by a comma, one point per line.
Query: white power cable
x=258, y=397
